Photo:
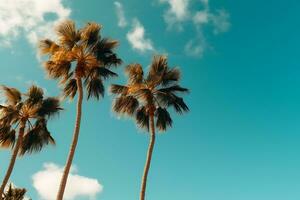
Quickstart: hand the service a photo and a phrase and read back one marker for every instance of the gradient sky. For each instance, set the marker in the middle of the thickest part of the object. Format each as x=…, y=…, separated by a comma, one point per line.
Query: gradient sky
x=240, y=59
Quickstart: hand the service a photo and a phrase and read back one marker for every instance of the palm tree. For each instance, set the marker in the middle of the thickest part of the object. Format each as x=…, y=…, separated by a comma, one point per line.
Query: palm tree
x=29, y=118
x=147, y=99
x=79, y=55
x=14, y=193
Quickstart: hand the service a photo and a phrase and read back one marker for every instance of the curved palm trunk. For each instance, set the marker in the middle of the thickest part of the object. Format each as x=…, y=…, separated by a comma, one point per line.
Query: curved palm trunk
x=63, y=182
x=148, y=160
x=13, y=159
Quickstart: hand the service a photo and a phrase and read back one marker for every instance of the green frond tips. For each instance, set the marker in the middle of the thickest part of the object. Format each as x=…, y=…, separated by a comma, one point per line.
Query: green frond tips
x=12, y=95
x=125, y=105
x=163, y=119
x=95, y=88
x=67, y=34
x=70, y=89
x=135, y=73
x=34, y=95
x=118, y=89
x=7, y=136
x=36, y=138
x=142, y=118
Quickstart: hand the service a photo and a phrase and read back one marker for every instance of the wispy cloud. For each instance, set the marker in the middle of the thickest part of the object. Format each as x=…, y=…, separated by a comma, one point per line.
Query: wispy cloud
x=30, y=18
x=180, y=12
x=176, y=13
x=46, y=183
x=122, y=22
x=137, y=38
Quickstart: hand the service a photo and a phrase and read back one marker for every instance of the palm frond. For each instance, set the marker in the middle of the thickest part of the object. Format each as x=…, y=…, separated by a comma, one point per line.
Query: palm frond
x=174, y=88
x=95, y=88
x=67, y=34
x=163, y=119
x=170, y=99
x=104, y=52
x=36, y=138
x=158, y=66
x=50, y=107
x=118, y=89
x=90, y=33
x=9, y=115
x=14, y=193
x=135, y=73
x=170, y=76
x=34, y=94
x=57, y=69
x=142, y=118
x=48, y=47
x=12, y=95
x=7, y=137
x=70, y=89
x=125, y=105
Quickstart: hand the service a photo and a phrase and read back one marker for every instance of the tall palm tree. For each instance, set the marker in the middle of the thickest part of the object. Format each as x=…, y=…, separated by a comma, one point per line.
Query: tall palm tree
x=23, y=123
x=79, y=55
x=147, y=99
x=14, y=193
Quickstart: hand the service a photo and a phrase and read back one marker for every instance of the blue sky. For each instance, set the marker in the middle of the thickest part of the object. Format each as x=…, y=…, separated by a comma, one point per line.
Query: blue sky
x=240, y=141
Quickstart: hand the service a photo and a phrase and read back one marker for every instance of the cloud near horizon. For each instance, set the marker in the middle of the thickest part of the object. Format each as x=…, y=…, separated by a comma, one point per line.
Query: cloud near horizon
x=46, y=183
x=30, y=18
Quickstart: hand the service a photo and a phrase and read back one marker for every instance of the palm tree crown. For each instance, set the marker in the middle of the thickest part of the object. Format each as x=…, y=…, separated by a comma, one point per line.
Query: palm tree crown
x=33, y=112
x=80, y=54
x=150, y=95
x=14, y=193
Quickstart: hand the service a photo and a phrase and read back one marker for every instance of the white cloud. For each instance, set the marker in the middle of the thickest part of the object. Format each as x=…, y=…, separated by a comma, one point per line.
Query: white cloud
x=31, y=18
x=137, y=39
x=177, y=12
x=220, y=21
x=47, y=180
x=122, y=22
x=196, y=46
x=205, y=19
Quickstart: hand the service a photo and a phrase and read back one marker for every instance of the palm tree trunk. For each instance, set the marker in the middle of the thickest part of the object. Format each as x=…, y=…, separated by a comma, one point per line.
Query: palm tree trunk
x=149, y=156
x=13, y=158
x=63, y=182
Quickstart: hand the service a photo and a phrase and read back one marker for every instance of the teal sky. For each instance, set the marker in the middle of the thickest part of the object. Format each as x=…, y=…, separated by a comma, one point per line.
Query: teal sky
x=240, y=141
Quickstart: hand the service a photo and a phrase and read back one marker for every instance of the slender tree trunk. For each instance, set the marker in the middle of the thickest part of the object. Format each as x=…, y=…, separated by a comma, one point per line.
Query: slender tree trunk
x=13, y=158
x=64, y=178
x=149, y=156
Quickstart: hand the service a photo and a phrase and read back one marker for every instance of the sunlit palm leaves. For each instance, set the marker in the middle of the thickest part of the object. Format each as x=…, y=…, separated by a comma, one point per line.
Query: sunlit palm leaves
x=80, y=54
x=153, y=94
x=14, y=193
x=33, y=109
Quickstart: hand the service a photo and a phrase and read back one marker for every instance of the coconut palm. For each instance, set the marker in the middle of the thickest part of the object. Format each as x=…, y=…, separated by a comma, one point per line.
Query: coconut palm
x=77, y=55
x=147, y=100
x=23, y=123
x=13, y=193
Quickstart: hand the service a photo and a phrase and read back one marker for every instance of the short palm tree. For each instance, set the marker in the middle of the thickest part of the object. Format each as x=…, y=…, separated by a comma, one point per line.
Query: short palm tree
x=147, y=99
x=79, y=55
x=13, y=193
x=23, y=123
